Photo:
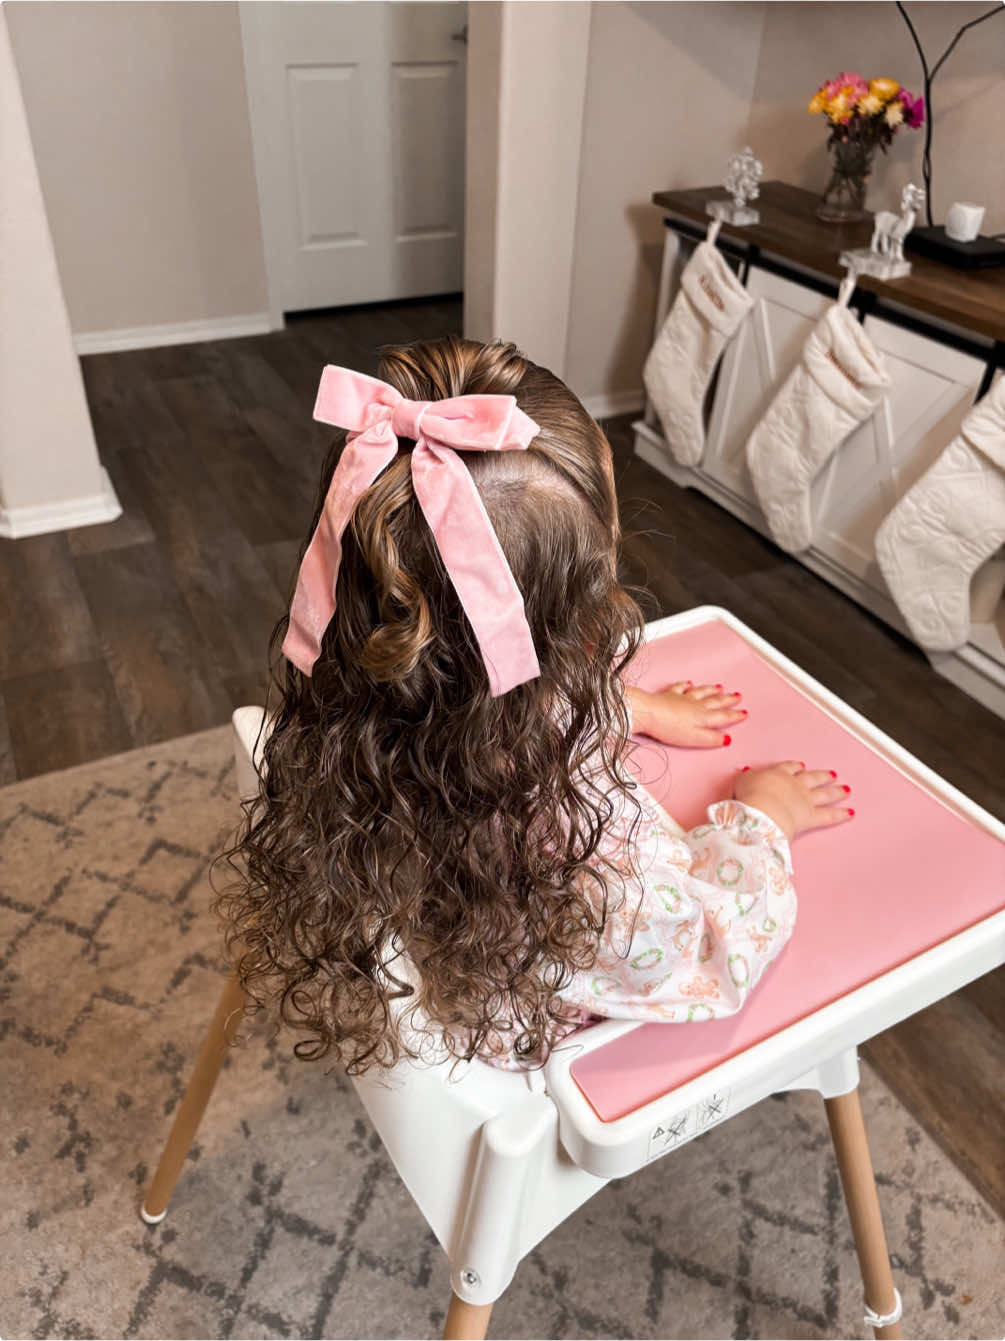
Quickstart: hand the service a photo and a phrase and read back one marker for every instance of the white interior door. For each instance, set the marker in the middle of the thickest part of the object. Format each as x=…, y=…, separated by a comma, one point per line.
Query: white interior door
x=357, y=114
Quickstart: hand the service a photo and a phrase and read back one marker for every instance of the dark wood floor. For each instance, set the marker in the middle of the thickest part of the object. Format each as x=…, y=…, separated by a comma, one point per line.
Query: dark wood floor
x=156, y=625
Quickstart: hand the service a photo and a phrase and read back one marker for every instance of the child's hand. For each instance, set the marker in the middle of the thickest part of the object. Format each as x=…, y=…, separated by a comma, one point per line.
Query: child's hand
x=795, y=797
x=686, y=714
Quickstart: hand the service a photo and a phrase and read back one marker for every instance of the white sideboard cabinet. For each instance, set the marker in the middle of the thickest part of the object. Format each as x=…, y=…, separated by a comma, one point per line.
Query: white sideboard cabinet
x=937, y=371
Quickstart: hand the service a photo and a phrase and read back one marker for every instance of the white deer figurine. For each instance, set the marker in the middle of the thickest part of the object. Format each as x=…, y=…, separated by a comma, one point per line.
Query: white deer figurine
x=891, y=229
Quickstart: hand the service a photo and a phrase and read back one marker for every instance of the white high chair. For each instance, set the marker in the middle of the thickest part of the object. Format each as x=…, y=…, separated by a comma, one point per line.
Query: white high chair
x=496, y=1160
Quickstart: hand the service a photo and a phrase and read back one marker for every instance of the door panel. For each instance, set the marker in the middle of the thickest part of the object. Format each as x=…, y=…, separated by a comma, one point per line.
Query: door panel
x=325, y=170
x=761, y=355
x=425, y=102
x=932, y=386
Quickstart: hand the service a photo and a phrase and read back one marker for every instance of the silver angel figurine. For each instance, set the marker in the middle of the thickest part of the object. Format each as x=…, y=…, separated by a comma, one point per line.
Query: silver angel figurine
x=743, y=178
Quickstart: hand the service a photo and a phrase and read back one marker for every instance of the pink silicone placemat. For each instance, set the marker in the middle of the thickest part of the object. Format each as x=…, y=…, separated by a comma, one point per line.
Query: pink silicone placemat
x=905, y=874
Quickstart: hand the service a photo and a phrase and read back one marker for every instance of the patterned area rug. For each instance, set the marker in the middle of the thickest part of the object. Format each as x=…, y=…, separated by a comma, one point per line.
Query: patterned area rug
x=289, y=1220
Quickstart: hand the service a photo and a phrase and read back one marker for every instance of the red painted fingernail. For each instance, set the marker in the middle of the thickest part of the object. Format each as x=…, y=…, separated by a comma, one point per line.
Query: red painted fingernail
x=801, y=764
x=845, y=787
x=832, y=773
x=727, y=740
x=718, y=686
x=745, y=712
x=851, y=812
x=745, y=768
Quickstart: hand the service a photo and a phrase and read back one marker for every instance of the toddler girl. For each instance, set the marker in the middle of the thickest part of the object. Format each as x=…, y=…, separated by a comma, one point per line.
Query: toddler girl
x=448, y=844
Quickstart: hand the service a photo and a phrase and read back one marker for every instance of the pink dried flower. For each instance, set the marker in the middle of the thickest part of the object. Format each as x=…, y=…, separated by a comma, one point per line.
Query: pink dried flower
x=914, y=108
x=854, y=83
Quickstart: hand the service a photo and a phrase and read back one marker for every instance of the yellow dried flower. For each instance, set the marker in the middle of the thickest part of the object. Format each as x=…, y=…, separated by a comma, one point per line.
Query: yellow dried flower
x=839, y=108
x=870, y=105
x=817, y=102
x=884, y=89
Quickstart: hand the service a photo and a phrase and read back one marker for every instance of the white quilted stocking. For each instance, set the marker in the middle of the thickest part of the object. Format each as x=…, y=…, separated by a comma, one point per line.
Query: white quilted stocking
x=710, y=305
x=946, y=526
x=835, y=386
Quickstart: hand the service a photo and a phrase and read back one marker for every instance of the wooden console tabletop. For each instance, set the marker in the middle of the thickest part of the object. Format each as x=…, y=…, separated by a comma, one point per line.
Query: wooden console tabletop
x=790, y=230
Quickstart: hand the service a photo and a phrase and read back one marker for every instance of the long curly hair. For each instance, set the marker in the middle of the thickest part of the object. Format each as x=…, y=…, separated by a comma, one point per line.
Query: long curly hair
x=422, y=859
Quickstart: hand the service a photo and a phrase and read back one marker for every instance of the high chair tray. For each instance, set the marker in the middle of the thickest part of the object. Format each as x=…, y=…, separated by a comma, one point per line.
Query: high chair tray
x=897, y=908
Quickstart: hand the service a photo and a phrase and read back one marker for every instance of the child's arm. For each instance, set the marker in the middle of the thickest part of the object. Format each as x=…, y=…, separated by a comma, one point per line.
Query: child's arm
x=685, y=714
x=716, y=906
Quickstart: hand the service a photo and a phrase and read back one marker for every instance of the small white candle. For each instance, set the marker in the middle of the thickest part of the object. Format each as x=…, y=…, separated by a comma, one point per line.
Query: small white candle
x=963, y=222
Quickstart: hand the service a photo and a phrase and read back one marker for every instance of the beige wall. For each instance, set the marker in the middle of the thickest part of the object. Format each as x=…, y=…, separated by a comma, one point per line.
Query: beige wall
x=804, y=44
x=667, y=100
x=527, y=72
x=545, y=48
x=139, y=121
x=674, y=88
x=49, y=470
x=481, y=188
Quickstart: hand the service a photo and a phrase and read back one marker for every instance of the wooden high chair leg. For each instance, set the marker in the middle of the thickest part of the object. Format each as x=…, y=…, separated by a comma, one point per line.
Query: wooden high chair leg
x=466, y=1322
x=186, y=1122
x=844, y=1113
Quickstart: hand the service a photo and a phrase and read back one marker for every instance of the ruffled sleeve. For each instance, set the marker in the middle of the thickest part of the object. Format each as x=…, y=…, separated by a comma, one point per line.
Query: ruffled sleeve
x=714, y=908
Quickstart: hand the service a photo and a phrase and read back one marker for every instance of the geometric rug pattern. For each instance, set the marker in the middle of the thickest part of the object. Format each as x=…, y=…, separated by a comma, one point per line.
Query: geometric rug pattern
x=289, y=1220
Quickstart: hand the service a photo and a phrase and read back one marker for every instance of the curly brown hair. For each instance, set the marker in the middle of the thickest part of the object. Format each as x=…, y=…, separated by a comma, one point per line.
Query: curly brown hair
x=409, y=821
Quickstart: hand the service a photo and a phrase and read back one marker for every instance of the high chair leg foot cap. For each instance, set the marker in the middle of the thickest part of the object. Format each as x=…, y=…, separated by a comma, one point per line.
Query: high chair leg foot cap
x=152, y=1219
x=873, y=1319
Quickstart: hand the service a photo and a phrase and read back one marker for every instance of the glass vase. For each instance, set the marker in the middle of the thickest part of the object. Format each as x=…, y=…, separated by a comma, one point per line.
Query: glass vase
x=844, y=199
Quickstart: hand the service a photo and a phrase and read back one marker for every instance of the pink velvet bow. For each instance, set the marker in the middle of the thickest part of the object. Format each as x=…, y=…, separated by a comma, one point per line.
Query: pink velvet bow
x=377, y=416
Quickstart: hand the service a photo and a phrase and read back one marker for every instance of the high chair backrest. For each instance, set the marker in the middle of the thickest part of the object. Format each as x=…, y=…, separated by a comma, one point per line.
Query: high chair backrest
x=471, y=1142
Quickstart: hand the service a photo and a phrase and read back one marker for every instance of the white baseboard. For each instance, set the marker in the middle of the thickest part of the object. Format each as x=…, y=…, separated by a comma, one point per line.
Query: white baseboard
x=174, y=333
x=610, y=403
x=41, y=518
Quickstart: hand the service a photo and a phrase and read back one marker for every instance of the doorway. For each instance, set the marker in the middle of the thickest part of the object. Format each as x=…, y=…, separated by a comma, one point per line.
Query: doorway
x=358, y=123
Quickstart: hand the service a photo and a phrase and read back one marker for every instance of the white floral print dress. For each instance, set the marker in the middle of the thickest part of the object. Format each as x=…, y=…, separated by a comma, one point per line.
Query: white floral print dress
x=715, y=907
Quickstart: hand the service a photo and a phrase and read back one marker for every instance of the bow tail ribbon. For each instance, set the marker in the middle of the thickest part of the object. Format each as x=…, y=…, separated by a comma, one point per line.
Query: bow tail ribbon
x=474, y=559
x=363, y=458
